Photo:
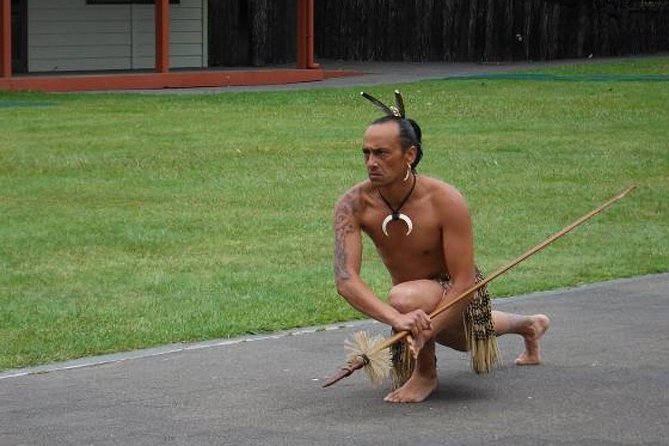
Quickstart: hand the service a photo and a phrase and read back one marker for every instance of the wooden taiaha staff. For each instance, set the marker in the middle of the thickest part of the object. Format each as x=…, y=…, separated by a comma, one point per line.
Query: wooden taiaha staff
x=363, y=360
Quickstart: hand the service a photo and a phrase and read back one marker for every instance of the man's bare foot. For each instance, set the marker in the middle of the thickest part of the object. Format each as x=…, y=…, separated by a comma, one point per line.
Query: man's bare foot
x=539, y=323
x=415, y=390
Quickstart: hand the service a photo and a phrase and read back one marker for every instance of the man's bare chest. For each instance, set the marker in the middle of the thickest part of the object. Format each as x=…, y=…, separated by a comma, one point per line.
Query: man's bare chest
x=424, y=239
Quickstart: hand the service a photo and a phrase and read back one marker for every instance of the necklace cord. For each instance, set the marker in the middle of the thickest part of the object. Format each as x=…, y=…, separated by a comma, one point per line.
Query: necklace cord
x=396, y=212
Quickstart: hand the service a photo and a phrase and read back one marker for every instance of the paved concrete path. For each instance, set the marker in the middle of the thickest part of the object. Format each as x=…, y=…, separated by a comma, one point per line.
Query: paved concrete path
x=605, y=381
x=384, y=73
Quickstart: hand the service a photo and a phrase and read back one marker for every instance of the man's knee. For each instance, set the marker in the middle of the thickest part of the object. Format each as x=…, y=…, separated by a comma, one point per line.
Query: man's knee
x=410, y=296
x=402, y=298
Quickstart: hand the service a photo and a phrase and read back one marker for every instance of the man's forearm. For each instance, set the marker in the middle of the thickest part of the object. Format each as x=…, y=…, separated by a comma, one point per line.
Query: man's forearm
x=363, y=299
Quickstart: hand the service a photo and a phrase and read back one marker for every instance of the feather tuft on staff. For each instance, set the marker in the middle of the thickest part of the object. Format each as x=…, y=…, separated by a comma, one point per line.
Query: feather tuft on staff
x=377, y=363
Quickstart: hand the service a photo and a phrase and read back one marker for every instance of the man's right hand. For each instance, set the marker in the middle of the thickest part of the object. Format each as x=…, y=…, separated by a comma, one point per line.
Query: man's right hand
x=415, y=321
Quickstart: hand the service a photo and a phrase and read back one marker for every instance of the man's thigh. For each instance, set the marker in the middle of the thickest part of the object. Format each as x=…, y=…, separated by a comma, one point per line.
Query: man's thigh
x=453, y=334
x=427, y=295
x=423, y=295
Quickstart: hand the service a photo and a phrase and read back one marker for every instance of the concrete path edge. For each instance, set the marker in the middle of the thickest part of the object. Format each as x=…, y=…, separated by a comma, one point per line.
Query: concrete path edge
x=93, y=361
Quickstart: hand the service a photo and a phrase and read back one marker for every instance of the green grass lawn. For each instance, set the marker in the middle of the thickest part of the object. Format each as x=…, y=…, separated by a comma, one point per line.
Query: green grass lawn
x=132, y=220
x=643, y=66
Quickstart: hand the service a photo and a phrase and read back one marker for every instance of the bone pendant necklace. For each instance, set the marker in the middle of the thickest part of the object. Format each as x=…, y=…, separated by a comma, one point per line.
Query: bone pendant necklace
x=396, y=214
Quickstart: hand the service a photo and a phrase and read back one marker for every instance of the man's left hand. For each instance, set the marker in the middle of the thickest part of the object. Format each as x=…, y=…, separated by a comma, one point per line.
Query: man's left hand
x=416, y=343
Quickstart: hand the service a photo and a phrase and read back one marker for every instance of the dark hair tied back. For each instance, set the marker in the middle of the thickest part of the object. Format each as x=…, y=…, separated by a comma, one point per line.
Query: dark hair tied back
x=410, y=132
x=418, y=142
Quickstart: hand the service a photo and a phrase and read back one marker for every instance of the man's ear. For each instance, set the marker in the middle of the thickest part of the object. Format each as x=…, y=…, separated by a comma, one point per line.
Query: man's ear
x=411, y=154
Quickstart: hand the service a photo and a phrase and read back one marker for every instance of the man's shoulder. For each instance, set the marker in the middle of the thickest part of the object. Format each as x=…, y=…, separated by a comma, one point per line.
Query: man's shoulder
x=441, y=188
x=354, y=198
x=444, y=195
x=356, y=191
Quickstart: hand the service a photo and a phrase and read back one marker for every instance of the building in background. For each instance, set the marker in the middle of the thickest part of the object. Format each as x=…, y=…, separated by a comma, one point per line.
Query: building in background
x=151, y=43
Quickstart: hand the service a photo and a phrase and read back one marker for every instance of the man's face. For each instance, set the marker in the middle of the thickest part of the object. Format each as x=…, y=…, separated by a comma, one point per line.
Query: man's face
x=385, y=160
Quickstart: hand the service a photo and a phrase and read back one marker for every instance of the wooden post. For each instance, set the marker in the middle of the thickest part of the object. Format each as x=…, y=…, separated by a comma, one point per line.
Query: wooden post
x=310, y=35
x=305, y=35
x=6, y=38
x=162, y=36
x=301, y=34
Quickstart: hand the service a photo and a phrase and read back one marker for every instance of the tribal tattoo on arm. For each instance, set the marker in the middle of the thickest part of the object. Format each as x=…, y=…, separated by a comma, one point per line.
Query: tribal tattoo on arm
x=344, y=225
